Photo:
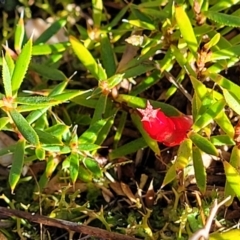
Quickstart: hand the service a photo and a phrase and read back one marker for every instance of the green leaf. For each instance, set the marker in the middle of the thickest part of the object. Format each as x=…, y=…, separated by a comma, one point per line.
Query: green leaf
x=50, y=31
x=225, y=124
x=183, y=155
x=223, y=18
x=74, y=166
x=203, y=144
x=137, y=70
x=24, y=128
x=91, y=134
x=93, y=167
x=48, y=138
x=225, y=83
x=36, y=100
x=137, y=102
x=87, y=59
x=97, y=12
x=52, y=163
x=19, y=33
x=146, y=83
x=214, y=40
x=200, y=172
x=21, y=66
x=233, y=177
x=153, y=144
x=208, y=116
x=48, y=72
x=232, y=101
x=186, y=29
x=88, y=147
x=58, y=149
x=46, y=49
x=141, y=24
x=10, y=62
x=128, y=148
x=232, y=234
x=120, y=128
x=99, y=109
x=17, y=164
x=199, y=88
x=170, y=176
x=6, y=76
x=3, y=122
x=111, y=82
x=107, y=55
x=235, y=162
x=40, y=153
x=222, y=140
x=84, y=174
x=58, y=130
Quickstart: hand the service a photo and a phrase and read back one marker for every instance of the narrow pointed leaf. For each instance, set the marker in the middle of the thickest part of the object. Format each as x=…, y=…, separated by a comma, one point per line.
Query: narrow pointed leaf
x=128, y=148
x=91, y=134
x=84, y=174
x=233, y=177
x=97, y=12
x=209, y=115
x=225, y=124
x=86, y=58
x=186, y=29
x=235, y=162
x=49, y=32
x=40, y=153
x=17, y=165
x=107, y=55
x=93, y=166
x=6, y=76
x=170, y=176
x=183, y=155
x=48, y=72
x=21, y=66
x=24, y=128
x=45, y=49
x=232, y=101
x=19, y=33
x=200, y=172
x=223, y=18
x=74, y=166
x=203, y=144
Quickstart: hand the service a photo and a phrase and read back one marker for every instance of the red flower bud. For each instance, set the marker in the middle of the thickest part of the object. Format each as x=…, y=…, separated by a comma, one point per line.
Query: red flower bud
x=170, y=131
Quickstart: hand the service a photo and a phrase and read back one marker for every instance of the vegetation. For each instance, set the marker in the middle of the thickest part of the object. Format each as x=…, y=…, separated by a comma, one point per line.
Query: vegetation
x=76, y=147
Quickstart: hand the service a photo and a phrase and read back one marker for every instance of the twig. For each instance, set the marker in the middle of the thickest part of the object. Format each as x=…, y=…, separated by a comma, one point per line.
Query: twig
x=69, y=226
x=204, y=232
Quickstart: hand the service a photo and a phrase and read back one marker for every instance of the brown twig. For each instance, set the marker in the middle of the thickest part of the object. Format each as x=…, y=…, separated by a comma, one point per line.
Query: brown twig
x=204, y=232
x=69, y=226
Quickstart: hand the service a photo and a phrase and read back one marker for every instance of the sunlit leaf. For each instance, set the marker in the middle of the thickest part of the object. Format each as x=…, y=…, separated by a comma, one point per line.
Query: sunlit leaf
x=50, y=31
x=21, y=66
x=170, y=176
x=200, y=172
x=223, y=18
x=87, y=59
x=203, y=143
x=93, y=166
x=186, y=29
x=233, y=177
x=183, y=155
x=24, y=127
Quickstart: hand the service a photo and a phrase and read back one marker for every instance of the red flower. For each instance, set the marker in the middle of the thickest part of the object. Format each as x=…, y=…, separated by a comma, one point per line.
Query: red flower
x=170, y=131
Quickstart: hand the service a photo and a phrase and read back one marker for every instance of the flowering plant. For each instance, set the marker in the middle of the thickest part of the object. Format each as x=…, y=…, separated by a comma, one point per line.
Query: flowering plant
x=170, y=131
